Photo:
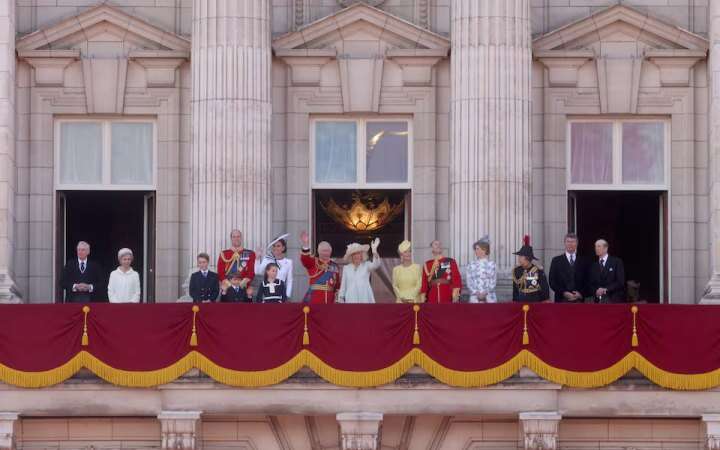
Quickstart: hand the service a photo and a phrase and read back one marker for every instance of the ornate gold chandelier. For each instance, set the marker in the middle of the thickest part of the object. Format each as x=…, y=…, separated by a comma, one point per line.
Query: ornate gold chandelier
x=361, y=217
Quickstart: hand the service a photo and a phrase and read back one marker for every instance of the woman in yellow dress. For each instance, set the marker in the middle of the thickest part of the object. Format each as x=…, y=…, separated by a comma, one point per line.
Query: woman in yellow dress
x=407, y=277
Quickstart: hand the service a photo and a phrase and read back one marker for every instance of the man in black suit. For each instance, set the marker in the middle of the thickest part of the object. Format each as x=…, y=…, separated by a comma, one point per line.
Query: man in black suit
x=81, y=277
x=568, y=273
x=607, y=276
x=204, y=284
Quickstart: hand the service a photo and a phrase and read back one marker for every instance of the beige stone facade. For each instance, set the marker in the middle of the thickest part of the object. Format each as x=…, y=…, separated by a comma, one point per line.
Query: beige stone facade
x=490, y=90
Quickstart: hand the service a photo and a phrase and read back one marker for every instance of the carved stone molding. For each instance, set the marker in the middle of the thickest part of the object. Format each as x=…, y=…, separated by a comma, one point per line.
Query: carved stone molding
x=346, y=3
x=8, y=429
x=360, y=431
x=563, y=65
x=179, y=429
x=675, y=65
x=540, y=430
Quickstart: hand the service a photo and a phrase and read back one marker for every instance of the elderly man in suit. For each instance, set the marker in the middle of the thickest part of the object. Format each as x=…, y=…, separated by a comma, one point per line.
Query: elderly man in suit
x=81, y=276
x=607, y=276
x=568, y=273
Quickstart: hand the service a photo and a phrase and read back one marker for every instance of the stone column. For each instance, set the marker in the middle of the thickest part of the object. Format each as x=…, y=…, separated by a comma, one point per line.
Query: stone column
x=179, y=430
x=360, y=431
x=712, y=293
x=231, y=113
x=540, y=430
x=490, y=163
x=8, y=430
x=8, y=167
x=712, y=430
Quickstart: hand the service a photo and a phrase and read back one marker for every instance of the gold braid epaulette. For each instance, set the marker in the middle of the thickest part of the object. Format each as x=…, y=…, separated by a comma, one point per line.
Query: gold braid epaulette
x=433, y=269
x=235, y=255
x=521, y=282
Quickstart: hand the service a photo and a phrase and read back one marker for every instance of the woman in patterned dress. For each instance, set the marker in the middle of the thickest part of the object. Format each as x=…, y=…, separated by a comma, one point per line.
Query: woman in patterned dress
x=481, y=274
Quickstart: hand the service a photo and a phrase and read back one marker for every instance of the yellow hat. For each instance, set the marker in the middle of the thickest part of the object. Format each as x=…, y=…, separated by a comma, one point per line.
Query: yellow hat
x=404, y=246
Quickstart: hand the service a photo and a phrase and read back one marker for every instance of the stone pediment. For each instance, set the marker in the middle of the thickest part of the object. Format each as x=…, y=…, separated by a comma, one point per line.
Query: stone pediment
x=100, y=31
x=361, y=24
x=358, y=41
x=620, y=23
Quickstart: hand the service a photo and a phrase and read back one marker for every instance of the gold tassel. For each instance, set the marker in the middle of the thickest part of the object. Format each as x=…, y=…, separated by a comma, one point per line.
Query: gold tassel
x=526, y=336
x=85, y=339
x=193, y=336
x=306, y=335
x=634, y=342
x=416, y=333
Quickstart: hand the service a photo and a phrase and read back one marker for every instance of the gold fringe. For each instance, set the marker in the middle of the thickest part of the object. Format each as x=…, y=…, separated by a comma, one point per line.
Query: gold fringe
x=251, y=379
x=634, y=341
x=306, y=335
x=85, y=341
x=416, y=332
x=526, y=336
x=464, y=379
x=362, y=379
x=578, y=379
x=193, y=335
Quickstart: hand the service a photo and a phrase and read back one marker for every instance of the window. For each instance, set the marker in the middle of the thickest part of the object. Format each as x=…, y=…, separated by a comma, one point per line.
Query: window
x=362, y=152
x=105, y=154
x=609, y=154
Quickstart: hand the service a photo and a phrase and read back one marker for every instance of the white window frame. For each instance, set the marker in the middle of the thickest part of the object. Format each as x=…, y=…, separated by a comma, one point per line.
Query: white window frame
x=617, y=183
x=361, y=169
x=106, y=184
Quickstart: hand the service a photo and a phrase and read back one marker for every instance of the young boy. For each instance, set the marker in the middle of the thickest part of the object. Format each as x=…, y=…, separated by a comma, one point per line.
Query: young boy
x=235, y=293
x=204, y=284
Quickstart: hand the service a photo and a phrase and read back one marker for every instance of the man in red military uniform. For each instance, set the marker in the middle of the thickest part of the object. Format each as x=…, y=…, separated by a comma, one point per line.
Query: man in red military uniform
x=324, y=273
x=441, y=281
x=236, y=259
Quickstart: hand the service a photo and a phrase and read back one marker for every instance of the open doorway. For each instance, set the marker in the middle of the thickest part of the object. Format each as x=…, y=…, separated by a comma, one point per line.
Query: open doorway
x=635, y=225
x=108, y=221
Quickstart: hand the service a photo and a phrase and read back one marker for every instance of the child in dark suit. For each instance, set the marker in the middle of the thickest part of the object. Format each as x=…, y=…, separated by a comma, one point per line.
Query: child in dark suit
x=204, y=284
x=235, y=293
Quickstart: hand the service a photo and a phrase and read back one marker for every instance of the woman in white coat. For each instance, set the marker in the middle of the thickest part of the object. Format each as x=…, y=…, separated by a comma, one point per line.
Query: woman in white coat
x=124, y=285
x=355, y=286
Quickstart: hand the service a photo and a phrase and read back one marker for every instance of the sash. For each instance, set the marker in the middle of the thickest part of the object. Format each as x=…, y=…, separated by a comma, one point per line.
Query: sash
x=324, y=278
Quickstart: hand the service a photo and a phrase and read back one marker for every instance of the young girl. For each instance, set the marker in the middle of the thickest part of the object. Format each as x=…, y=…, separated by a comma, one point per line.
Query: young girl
x=272, y=289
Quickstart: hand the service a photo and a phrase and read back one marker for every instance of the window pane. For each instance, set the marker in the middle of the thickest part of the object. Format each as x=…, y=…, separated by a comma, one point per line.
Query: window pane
x=335, y=152
x=643, y=154
x=81, y=153
x=591, y=153
x=387, y=152
x=132, y=153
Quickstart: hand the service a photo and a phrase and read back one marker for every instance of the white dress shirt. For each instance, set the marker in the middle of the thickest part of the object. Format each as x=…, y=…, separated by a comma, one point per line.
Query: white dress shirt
x=124, y=287
x=571, y=257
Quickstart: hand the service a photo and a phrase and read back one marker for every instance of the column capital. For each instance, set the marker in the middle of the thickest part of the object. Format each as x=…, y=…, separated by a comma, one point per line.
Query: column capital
x=8, y=429
x=540, y=429
x=179, y=429
x=712, y=430
x=360, y=430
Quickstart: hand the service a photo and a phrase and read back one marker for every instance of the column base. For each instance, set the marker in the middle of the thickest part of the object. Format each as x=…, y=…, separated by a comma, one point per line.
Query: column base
x=8, y=430
x=9, y=292
x=712, y=291
x=712, y=431
x=180, y=429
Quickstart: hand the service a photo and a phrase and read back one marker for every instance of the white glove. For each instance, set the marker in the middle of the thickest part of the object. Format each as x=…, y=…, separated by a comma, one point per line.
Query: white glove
x=374, y=245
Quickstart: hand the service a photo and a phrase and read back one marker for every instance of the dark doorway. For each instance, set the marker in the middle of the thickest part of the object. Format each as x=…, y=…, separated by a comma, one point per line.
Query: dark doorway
x=108, y=221
x=635, y=225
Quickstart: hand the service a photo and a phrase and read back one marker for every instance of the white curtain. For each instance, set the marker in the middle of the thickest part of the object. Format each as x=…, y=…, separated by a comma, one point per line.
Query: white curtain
x=591, y=153
x=335, y=152
x=387, y=152
x=643, y=153
x=132, y=153
x=81, y=153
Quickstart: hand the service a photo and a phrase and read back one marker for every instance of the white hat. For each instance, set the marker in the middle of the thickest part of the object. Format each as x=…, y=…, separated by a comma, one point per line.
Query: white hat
x=356, y=248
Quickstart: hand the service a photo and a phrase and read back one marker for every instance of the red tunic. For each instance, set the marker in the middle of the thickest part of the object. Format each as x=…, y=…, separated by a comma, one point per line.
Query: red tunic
x=441, y=282
x=240, y=260
x=324, y=279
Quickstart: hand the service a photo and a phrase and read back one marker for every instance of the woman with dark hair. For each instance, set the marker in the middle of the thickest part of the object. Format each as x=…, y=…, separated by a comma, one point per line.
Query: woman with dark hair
x=481, y=274
x=272, y=289
x=276, y=253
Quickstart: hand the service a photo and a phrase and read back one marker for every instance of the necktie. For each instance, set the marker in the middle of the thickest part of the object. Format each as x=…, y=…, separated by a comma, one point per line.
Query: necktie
x=572, y=260
x=602, y=263
x=82, y=266
x=204, y=274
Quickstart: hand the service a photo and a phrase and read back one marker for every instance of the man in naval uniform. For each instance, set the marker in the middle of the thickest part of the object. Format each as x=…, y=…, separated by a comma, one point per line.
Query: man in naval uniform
x=441, y=280
x=529, y=282
x=236, y=259
x=323, y=272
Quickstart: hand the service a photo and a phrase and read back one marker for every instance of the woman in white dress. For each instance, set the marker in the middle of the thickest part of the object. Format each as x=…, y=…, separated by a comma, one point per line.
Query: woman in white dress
x=124, y=285
x=276, y=252
x=355, y=286
x=481, y=274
